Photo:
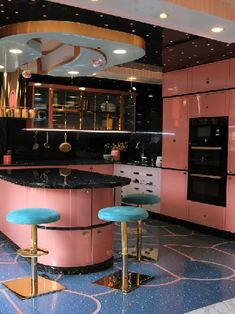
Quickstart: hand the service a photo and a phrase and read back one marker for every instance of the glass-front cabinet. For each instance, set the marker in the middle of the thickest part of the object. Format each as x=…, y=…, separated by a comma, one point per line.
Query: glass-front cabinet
x=71, y=107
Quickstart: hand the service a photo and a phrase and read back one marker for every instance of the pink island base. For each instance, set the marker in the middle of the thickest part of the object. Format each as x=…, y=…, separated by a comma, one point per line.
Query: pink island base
x=78, y=239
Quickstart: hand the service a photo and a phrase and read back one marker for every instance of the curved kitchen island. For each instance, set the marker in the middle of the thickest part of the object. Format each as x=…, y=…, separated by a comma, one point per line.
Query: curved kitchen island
x=79, y=241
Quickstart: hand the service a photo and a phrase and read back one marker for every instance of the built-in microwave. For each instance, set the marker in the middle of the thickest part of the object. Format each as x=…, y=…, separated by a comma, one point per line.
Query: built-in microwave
x=210, y=131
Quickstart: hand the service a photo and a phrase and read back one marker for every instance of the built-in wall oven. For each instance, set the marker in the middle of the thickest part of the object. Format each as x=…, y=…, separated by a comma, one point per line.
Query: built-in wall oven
x=207, y=163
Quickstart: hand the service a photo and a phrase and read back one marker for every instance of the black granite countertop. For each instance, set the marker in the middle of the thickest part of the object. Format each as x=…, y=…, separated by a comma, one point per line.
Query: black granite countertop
x=61, y=178
x=56, y=163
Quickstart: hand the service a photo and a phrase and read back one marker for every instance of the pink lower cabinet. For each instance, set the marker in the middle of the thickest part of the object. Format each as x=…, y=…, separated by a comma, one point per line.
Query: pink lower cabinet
x=206, y=214
x=173, y=194
x=230, y=210
x=100, y=198
x=102, y=244
x=231, y=133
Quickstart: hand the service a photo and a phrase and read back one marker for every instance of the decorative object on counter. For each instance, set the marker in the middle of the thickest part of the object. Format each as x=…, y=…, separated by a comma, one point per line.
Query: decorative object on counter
x=123, y=280
x=29, y=287
x=140, y=199
x=115, y=149
x=7, y=158
x=107, y=157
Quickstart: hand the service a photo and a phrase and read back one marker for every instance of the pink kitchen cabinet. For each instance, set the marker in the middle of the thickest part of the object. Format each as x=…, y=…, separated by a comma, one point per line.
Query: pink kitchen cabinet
x=209, y=105
x=175, y=83
x=174, y=193
x=102, y=244
x=231, y=133
x=175, y=133
x=206, y=214
x=211, y=76
x=230, y=209
x=232, y=72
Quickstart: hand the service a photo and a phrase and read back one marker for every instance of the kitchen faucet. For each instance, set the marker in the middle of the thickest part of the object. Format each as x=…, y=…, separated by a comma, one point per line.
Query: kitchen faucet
x=140, y=146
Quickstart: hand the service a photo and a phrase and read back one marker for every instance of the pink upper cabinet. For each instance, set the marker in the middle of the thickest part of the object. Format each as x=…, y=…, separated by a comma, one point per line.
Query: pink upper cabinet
x=175, y=83
x=231, y=133
x=175, y=133
x=208, y=105
x=211, y=76
x=173, y=194
x=232, y=72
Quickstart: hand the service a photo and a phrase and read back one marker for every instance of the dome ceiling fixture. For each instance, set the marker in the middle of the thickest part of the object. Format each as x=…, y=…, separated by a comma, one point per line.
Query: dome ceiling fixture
x=59, y=47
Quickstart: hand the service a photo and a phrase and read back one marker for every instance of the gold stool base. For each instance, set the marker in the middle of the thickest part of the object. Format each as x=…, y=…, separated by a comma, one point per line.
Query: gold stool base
x=22, y=287
x=114, y=281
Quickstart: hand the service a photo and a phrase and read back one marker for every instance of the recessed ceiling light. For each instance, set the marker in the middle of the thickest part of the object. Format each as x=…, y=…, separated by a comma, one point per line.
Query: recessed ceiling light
x=37, y=84
x=163, y=15
x=1, y=66
x=15, y=51
x=37, y=94
x=93, y=74
x=82, y=88
x=94, y=0
x=73, y=72
x=119, y=51
x=217, y=29
x=131, y=78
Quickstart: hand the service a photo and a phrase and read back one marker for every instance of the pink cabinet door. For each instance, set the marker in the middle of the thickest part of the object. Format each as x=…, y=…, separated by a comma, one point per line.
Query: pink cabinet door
x=105, y=169
x=230, y=210
x=231, y=133
x=206, y=214
x=208, y=105
x=211, y=76
x=101, y=198
x=175, y=133
x=173, y=194
x=232, y=72
x=175, y=83
x=102, y=244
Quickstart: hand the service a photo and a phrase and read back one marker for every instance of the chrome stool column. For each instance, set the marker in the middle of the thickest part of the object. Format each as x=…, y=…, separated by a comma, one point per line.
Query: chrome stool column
x=35, y=285
x=123, y=280
x=140, y=199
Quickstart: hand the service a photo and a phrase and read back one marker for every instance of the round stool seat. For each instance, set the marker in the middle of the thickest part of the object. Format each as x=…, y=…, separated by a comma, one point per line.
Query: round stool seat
x=32, y=216
x=141, y=199
x=122, y=213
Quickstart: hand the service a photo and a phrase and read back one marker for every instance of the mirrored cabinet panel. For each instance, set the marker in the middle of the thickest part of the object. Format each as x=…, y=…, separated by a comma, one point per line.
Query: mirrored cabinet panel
x=81, y=108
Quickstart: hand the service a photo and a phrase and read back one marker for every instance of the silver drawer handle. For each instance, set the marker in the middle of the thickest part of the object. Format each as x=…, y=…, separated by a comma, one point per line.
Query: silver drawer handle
x=206, y=147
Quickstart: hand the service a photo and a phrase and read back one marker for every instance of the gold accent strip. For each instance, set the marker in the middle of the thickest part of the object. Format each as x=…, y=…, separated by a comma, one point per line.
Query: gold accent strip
x=52, y=26
x=206, y=147
x=205, y=176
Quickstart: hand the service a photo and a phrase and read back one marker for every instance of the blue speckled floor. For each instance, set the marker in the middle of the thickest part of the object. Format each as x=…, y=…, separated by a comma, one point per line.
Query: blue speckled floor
x=194, y=270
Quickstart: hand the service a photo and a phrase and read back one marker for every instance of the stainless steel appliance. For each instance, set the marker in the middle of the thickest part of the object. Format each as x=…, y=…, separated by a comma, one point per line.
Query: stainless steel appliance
x=207, y=163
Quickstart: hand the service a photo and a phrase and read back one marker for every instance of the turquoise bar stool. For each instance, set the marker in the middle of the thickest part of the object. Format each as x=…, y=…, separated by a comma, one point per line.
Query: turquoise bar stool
x=140, y=199
x=35, y=285
x=123, y=280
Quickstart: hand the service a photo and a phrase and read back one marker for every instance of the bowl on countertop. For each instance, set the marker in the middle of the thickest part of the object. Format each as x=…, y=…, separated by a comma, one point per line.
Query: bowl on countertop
x=107, y=157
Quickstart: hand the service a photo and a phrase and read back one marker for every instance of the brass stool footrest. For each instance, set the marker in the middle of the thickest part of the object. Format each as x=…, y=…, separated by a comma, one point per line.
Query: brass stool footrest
x=30, y=253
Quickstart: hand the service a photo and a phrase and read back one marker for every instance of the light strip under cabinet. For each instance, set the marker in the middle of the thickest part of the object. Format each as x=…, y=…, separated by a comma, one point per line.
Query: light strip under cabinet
x=72, y=130
x=205, y=176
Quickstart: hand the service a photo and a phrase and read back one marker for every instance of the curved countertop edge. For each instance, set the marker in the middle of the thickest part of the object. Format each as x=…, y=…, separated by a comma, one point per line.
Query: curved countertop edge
x=50, y=178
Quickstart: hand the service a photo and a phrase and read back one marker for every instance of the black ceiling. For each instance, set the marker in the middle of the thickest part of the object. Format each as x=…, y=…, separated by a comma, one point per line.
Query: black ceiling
x=164, y=47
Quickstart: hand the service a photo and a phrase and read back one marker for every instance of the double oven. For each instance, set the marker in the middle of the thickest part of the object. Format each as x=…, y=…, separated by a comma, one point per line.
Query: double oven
x=207, y=162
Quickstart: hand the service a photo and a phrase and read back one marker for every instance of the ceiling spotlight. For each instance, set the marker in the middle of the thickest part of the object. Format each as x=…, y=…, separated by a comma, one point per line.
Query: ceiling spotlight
x=119, y=51
x=73, y=72
x=1, y=66
x=134, y=88
x=15, y=51
x=217, y=29
x=82, y=88
x=163, y=15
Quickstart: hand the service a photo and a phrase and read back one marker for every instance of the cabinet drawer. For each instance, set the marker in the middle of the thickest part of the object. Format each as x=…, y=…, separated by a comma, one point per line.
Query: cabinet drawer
x=207, y=215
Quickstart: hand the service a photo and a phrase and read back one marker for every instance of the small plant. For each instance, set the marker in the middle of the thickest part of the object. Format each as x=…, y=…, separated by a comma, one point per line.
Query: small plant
x=119, y=146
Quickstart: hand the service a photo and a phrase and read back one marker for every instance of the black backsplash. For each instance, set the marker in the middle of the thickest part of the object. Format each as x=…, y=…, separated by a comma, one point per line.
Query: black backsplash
x=85, y=146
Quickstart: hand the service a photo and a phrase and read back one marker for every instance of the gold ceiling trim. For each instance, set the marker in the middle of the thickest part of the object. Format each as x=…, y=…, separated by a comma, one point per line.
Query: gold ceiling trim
x=52, y=26
x=221, y=8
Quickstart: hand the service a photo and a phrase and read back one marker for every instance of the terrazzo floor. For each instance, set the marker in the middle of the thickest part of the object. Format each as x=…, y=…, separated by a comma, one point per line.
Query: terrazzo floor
x=194, y=271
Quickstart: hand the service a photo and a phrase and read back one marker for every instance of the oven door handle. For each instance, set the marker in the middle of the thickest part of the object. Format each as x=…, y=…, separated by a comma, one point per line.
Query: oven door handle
x=206, y=147
x=205, y=176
